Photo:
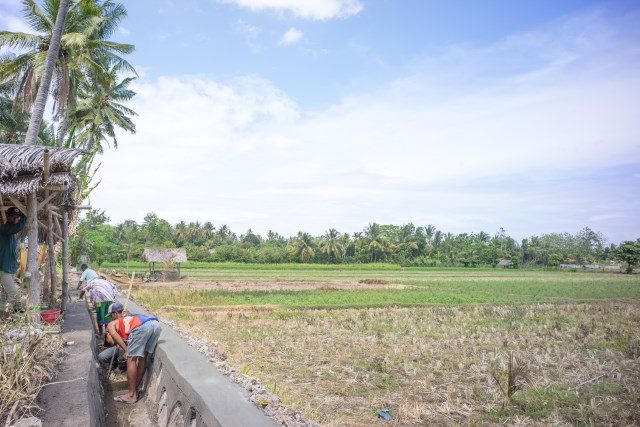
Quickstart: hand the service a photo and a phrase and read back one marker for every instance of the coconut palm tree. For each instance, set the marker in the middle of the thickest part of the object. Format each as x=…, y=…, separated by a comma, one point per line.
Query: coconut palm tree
x=84, y=49
x=375, y=241
x=100, y=110
x=302, y=247
x=345, y=242
x=331, y=244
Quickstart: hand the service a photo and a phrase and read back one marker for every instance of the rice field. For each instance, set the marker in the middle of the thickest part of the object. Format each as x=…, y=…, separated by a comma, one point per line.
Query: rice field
x=430, y=346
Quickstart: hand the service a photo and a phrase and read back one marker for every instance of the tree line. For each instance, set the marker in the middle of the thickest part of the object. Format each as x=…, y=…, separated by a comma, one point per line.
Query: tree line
x=407, y=245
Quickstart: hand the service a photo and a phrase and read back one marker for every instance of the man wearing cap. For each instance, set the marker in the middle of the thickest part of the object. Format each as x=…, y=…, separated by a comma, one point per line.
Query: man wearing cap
x=9, y=257
x=141, y=334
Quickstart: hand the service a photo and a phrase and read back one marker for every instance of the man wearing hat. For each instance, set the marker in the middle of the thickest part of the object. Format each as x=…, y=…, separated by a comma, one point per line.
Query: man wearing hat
x=141, y=334
x=9, y=257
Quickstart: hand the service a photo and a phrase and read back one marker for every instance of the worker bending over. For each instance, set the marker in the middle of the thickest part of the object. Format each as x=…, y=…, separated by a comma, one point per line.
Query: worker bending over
x=141, y=333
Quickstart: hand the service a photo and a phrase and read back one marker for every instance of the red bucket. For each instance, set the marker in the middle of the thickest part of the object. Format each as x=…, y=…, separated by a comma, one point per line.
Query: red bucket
x=50, y=316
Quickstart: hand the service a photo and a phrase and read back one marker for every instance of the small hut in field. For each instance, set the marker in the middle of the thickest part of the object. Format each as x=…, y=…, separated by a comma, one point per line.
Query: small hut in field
x=170, y=258
x=48, y=173
x=505, y=263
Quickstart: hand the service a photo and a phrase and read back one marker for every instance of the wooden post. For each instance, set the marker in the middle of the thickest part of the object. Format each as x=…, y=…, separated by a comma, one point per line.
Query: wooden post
x=33, y=274
x=2, y=212
x=51, y=255
x=65, y=260
x=51, y=252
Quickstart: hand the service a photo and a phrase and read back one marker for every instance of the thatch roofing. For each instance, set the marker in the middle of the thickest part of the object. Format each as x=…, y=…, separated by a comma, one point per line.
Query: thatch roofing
x=29, y=159
x=22, y=173
x=22, y=168
x=164, y=255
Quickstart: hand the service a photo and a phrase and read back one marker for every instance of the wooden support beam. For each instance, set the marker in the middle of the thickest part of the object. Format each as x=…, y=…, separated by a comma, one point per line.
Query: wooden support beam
x=51, y=258
x=47, y=166
x=59, y=187
x=43, y=225
x=65, y=261
x=56, y=221
x=2, y=212
x=46, y=200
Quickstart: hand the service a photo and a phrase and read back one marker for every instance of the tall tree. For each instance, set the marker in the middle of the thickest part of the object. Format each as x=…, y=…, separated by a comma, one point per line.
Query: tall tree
x=84, y=50
x=331, y=244
x=303, y=247
x=33, y=296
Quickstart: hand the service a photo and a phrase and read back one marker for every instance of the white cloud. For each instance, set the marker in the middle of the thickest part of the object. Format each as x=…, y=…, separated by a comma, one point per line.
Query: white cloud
x=242, y=152
x=123, y=31
x=309, y=9
x=246, y=29
x=293, y=35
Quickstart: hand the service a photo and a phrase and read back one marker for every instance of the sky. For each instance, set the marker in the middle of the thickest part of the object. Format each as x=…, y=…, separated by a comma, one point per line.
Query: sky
x=291, y=115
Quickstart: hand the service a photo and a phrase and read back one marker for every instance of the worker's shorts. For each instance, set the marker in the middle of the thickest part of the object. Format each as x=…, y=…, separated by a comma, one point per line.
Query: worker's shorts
x=143, y=339
x=102, y=310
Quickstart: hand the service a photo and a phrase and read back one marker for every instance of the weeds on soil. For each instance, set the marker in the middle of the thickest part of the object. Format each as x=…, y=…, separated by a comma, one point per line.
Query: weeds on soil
x=28, y=359
x=436, y=365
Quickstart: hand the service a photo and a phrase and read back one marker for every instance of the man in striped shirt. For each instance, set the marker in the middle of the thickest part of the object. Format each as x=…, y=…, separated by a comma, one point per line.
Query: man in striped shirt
x=102, y=293
x=137, y=335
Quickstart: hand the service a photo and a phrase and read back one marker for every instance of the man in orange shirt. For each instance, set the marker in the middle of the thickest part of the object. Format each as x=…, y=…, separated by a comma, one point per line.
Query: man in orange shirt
x=137, y=336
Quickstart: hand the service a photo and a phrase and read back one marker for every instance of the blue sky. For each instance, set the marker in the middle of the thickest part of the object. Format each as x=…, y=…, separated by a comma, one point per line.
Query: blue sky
x=304, y=115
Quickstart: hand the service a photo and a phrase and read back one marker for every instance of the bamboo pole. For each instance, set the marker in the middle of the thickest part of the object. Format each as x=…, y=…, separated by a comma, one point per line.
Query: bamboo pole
x=33, y=274
x=65, y=260
x=2, y=212
x=51, y=254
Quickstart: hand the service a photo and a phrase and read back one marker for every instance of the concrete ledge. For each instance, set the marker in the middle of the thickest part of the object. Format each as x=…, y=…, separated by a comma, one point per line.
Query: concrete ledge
x=95, y=391
x=184, y=388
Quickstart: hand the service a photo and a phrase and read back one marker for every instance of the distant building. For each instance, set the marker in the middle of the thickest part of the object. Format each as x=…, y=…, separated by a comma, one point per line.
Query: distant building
x=170, y=258
x=505, y=263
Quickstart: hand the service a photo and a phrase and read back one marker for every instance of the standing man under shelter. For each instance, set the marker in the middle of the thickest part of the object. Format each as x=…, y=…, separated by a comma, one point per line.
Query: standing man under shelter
x=9, y=257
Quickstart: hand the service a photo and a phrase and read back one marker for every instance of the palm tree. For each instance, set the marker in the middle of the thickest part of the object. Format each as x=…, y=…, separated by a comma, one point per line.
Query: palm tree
x=100, y=110
x=345, y=242
x=33, y=296
x=429, y=232
x=331, y=244
x=303, y=247
x=375, y=241
x=84, y=50
x=406, y=239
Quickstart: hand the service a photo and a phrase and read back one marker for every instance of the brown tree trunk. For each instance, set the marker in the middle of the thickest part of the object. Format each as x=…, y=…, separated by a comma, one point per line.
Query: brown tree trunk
x=50, y=62
x=33, y=295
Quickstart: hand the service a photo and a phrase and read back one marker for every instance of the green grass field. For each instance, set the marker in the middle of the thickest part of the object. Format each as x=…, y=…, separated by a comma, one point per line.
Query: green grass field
x=423, y=286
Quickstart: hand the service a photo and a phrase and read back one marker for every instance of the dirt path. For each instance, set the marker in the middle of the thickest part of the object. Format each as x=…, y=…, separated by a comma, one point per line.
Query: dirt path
x=65, y=401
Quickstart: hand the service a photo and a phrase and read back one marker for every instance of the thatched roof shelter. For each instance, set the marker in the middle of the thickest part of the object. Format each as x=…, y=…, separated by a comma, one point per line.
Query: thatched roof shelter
x=25, y=169
x=165, y=255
